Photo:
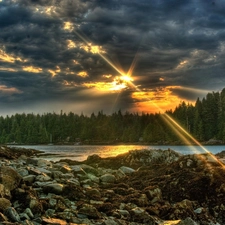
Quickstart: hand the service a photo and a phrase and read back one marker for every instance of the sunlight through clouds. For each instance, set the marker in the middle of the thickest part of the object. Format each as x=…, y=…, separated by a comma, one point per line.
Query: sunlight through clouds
x=9, y=90
x=83, y=74
x=8, y=58
x=54, y=72
x=70, y=44
x=68, y=26
x=32, y=69
x=94, y=49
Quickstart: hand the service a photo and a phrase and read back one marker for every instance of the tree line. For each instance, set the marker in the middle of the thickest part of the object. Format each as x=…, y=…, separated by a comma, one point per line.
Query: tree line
x=204, y=121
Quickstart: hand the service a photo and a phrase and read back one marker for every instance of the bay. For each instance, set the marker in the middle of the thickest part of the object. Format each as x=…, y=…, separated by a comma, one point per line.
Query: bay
x=81, y=152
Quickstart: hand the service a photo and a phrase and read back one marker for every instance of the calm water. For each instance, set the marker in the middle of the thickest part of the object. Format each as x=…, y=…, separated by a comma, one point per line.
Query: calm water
x=80, y=152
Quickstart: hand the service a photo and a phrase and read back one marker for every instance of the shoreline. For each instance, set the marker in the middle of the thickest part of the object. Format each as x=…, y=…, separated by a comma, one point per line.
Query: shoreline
x=134, y=188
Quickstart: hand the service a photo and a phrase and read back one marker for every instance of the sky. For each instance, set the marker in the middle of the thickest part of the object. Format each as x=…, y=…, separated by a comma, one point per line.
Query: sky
x=86, y=56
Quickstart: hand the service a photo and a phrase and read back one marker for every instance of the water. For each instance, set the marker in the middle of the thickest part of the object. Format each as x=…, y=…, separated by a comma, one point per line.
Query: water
x=81, y=152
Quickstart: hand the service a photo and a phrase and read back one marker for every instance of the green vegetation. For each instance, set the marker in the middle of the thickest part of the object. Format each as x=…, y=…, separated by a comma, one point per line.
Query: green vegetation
x=205, y=120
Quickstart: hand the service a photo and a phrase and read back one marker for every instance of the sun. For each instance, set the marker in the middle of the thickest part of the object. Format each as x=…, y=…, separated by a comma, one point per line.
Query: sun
x=126, y=78
x=121, y=82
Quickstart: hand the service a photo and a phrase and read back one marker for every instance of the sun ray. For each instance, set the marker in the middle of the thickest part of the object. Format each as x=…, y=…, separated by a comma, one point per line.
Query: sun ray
x=179, y=130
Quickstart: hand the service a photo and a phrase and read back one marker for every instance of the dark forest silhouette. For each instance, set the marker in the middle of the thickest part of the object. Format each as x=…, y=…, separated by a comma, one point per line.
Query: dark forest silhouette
x=204, y=121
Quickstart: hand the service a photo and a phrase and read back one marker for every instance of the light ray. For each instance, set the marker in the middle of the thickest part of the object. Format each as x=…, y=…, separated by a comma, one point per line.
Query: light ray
x=179, y=130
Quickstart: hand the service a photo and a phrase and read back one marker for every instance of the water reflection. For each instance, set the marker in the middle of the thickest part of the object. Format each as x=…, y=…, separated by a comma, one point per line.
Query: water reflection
x=81, y=152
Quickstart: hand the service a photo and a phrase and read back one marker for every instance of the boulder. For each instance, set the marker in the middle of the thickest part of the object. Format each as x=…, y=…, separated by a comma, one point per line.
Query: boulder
x=4, y=204
x=108, y=178
x=9, y=178
x=12, y=214
x=126, y=170
x=55, y=188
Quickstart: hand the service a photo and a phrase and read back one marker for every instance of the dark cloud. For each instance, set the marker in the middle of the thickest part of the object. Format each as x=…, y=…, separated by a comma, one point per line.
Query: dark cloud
x=174, y=43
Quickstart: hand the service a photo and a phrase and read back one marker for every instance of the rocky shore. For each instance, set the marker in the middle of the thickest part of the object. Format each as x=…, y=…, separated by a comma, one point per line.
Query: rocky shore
x=139, y=187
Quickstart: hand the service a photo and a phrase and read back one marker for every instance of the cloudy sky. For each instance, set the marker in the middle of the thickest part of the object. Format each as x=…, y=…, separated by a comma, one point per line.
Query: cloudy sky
x=92, y=55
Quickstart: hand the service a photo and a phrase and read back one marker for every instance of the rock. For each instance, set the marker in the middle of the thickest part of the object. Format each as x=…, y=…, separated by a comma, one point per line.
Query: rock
x=187, y=221
x=4, y=192
x=126, y=170
x=29, y=179
x=84, y=169
x=29, y=213
x=43, y=178
x=110, y=222
x=4, y=204
x=23, y=172
x=108, y=178
x=65, y=169
x=55, y=188
x=154, y=194
x=12, y=214
x=141, y=216
x=39, y=162
x=9, y=178
x=54, y=221
x=89, y=211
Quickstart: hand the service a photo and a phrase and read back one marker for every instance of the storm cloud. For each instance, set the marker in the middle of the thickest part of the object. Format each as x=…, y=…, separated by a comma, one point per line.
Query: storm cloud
x=69, y=55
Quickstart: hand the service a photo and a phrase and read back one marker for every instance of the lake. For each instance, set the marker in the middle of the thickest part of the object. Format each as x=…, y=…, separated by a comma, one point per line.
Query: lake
x=81, y=152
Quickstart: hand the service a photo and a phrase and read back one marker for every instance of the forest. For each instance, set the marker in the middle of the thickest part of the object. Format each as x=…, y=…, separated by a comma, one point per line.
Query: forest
x=205, y=121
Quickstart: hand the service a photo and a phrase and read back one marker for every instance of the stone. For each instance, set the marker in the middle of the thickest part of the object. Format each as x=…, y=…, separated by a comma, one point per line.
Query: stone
x=65, y=169
x=43, y=178
x=126, y=170
x=12, y=214
x=4, y=192
x=110, y=222
x=54, y=221
x=108, y=178
x=85, y=169
x=9, y=178
x=29, y=179
x=23, y=172
x=3, y=218
x=29, y=212
x=55, y=188
x=89, y=211
x=4, y=204
x=154, y=193
x=187, y=221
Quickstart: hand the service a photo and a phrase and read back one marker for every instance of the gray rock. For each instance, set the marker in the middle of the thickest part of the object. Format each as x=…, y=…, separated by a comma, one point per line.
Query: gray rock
x=110, y=222
x=108, y=178
x=65, y=169
x=55, y=188
x=50, y=213
x=23, y=172
x=57, y=174
x=45, y=171
x=29, y=179
x=187, y=221
x=12, y=214
x=90, y=211
x=52, y=202
x=29, y=212
x=84, y=169
x=39, y=162
x=126, y=170
x=43, y=178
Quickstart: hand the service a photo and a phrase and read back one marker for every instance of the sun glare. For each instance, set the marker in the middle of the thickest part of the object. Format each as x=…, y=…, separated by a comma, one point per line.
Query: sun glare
x=124, y=81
